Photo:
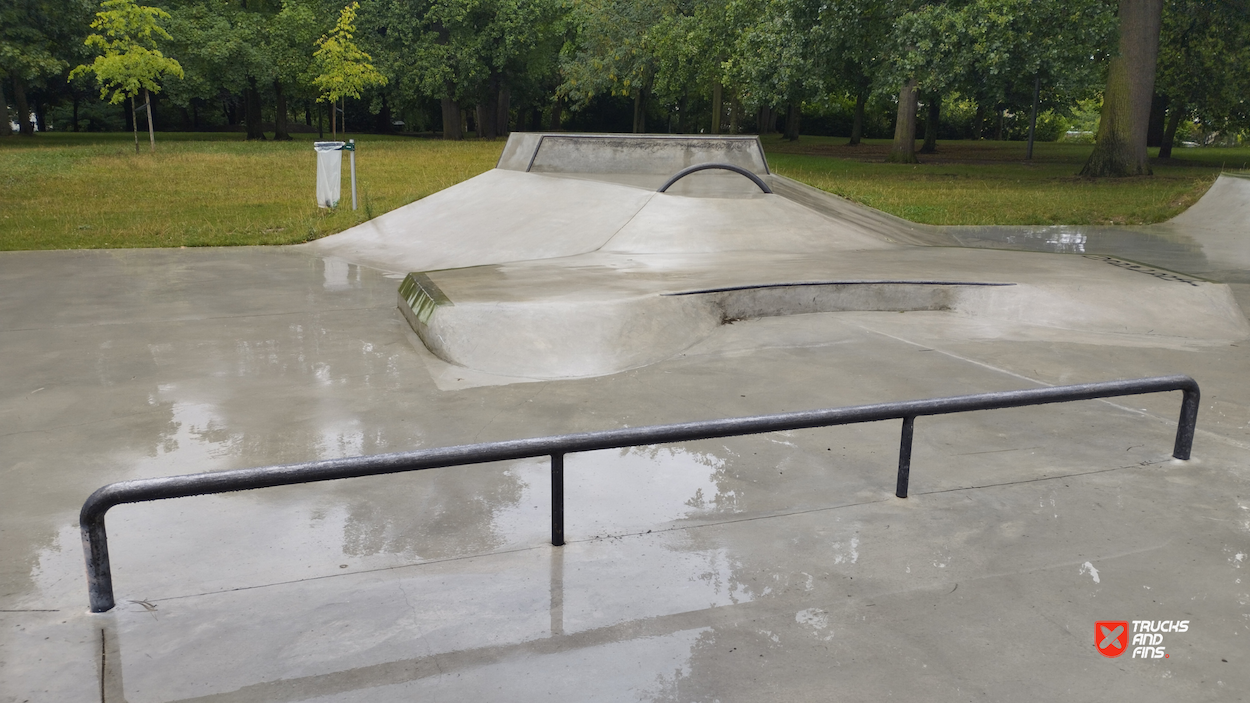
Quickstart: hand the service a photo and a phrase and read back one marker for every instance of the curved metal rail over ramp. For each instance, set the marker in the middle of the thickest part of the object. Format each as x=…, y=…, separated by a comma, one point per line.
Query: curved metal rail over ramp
x=723, y=167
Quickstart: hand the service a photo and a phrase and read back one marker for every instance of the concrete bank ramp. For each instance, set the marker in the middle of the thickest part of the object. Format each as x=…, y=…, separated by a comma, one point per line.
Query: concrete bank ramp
x=495, y=217
x=551, y=195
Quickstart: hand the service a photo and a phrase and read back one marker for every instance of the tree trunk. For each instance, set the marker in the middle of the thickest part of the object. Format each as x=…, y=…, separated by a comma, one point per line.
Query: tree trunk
x=1158, y=118
x=857, y=123
x=557, y=116
x=488, y=112
x=279, y=116
x=735, y=112
x=504, y=113
x=717, y=106
x=6, y=127
x=978, y=122
x=251, y=110
x=933, y=113
x=134, y=122
x=1037, y=93
x=1121, y=146
x=307, y=115
x=792, y=121
x=904, y=149
x=321, y=129
x=1169, y=133
x=334, y=120
x=147, y=101
x=764, y=120
x=383, y=123
x=640, y=112
x=451, y=120
x=1000, y=118
x=24, y=126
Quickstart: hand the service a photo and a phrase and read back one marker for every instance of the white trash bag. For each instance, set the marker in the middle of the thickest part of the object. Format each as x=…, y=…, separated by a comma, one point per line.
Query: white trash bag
x=329, y=172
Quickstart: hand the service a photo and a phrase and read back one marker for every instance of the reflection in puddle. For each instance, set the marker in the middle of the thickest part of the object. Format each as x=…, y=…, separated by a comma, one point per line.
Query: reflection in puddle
x=614, y=492
x=340, y=275
x=1157, y=245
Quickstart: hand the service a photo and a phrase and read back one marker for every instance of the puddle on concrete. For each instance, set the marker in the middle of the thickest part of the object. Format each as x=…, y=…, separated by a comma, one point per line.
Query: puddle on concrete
x=617, y=492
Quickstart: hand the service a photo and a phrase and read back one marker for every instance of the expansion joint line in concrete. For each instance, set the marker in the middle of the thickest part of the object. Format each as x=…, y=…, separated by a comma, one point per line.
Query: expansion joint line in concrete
x=998, y=369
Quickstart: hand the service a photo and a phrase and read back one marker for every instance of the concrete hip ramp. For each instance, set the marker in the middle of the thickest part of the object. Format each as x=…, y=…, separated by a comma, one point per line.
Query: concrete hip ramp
x=565, y=262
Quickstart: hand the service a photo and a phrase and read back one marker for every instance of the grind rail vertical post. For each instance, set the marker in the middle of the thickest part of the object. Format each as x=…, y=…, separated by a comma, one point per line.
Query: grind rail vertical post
x=904, y=457
x=557, y=500
x=1187, y=423
x=352, y=158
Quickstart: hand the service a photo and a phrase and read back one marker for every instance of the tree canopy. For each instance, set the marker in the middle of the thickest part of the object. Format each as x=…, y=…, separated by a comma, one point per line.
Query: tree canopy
x=668, y=65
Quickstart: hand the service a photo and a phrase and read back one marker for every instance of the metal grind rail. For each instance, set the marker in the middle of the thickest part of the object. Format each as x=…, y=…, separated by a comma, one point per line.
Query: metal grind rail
x=95, y=540
x=717, y=166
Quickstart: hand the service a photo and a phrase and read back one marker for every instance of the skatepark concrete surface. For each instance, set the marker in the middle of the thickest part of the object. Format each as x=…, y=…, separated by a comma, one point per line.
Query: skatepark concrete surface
x=770, y=567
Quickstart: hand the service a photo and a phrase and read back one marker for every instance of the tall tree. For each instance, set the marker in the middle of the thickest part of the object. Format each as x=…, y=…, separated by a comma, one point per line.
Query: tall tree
x=344, y=70
x=852, y=36
x=289, y=40
x=923, y=48
x=1120, y=149
x=466, y=52
x=38, y=41
x=775, y=57
x=130, y=61
x=1203, y=54
x=616, y=51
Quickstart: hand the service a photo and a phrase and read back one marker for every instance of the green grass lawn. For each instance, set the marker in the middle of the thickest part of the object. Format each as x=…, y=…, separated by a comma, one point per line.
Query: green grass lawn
x=988, y=183
x=69, y=191
x=72, y=191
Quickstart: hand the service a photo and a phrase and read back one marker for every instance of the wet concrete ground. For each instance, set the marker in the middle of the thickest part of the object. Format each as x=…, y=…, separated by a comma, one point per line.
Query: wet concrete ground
x=775, y=567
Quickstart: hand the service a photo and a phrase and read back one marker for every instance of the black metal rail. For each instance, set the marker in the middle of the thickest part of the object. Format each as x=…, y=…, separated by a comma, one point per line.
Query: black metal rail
x=718, y=166
x=95, y=540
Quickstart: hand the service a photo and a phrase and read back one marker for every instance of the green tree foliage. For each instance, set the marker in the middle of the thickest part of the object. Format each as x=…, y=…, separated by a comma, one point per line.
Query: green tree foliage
x=685, y=65
x=129, y=60
x=467, y=52
x=343, y=69
x=852, y=36
x=995, y=52
x=39, y=40
x=1204, y=65
x=776, y=59
x=615, y=52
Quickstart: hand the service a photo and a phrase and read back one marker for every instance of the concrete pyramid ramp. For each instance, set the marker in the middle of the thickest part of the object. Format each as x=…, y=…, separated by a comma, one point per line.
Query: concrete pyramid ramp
x=565, y=262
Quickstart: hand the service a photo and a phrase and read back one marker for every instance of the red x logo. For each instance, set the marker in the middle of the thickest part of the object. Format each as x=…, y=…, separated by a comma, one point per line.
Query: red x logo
x=1111, y=637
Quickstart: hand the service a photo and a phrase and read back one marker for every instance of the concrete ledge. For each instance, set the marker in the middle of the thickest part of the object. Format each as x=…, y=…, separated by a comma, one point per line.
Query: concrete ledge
x=654, y=154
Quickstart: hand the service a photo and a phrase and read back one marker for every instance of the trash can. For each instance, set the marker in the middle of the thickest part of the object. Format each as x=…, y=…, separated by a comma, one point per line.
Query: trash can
x=329, y=172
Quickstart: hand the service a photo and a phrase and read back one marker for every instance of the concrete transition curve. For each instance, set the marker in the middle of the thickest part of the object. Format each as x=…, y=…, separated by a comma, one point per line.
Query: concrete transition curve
x=565, y=262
